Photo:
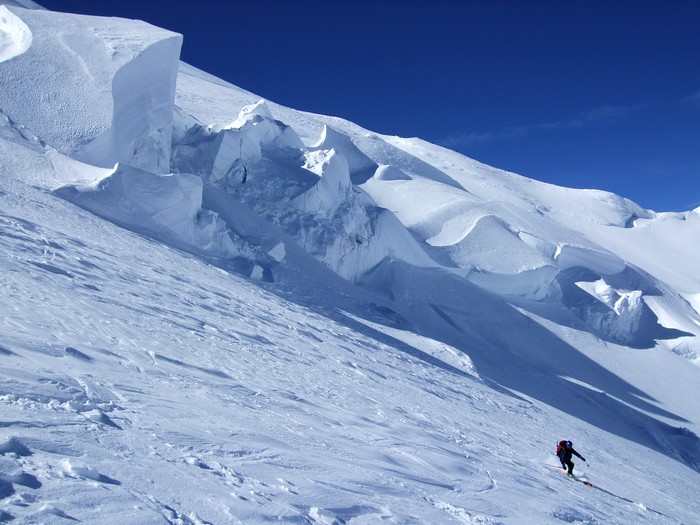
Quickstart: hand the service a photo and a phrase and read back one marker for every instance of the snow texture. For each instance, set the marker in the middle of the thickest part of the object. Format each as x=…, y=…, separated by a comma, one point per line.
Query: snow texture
x=216, y=309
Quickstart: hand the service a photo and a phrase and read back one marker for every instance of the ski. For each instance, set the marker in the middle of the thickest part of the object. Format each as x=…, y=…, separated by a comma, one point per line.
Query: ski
x=571, y=476
x=587, y=483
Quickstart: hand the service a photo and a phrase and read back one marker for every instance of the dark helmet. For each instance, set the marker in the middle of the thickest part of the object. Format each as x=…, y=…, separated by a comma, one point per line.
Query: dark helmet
x=569, y=444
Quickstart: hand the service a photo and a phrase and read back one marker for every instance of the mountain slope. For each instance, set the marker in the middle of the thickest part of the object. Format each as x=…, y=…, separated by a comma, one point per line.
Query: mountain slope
x=308, y=322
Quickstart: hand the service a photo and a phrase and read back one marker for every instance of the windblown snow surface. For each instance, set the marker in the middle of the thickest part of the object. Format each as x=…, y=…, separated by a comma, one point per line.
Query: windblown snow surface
x=219, y=310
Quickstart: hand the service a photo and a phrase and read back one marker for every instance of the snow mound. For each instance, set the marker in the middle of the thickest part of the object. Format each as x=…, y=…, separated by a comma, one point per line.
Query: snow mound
x=622, y=316
x=334, y=186
x=252, y=113
x=626, y=308
x=360, y=165
x=234, y=149
x=348, y=232
x=256, y=119
x=15, y=36
x=167, y=206
x=223, y=154
x=308, y=193
x=390, y=173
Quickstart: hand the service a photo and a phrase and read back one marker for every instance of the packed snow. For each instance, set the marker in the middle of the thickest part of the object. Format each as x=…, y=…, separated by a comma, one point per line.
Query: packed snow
x=216, y=309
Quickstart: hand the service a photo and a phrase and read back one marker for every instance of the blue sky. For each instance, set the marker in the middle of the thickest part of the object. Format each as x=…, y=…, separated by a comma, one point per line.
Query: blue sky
x=586, y=94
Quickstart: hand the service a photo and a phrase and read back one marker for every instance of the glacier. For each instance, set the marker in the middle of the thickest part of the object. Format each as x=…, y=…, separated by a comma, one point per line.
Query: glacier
x=217, y=309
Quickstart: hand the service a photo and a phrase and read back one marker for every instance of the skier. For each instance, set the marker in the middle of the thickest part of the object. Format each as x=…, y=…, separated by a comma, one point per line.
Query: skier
x=565, y=450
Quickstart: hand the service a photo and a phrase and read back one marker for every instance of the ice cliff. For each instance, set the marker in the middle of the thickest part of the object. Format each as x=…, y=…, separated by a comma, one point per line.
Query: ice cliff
x=362, y=204
x=102, y=93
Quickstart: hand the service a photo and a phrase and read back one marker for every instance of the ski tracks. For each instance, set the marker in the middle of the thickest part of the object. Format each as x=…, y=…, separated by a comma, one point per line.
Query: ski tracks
x=35, y=458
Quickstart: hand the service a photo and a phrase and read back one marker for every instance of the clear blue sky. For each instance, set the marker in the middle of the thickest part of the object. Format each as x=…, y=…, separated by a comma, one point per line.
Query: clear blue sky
x=587, y=94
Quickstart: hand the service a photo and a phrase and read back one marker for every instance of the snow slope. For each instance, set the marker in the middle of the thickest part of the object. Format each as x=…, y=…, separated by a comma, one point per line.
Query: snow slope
x=219, y=310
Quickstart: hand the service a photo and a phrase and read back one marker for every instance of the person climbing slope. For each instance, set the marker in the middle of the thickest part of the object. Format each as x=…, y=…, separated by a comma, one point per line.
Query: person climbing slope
x=565, y=450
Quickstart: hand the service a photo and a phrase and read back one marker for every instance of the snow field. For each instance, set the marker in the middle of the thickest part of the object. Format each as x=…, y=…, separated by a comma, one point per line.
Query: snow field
x=171, y=374
x=307, y=322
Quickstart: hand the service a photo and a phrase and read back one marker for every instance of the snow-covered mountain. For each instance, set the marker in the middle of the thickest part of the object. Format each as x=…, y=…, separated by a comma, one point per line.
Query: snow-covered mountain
x=216, y=309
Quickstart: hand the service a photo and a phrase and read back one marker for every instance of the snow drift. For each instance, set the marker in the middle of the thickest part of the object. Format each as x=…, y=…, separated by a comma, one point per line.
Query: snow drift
x=166, y=206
